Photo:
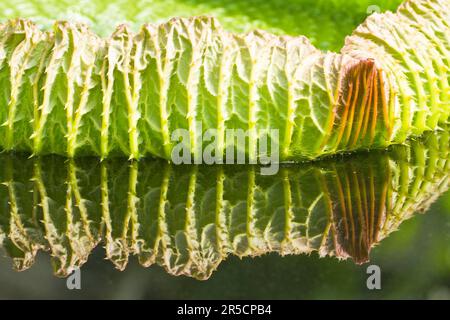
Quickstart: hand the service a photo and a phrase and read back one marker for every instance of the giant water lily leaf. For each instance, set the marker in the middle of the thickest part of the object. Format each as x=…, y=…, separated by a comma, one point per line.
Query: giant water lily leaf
x=71, y=92
x=189, y=219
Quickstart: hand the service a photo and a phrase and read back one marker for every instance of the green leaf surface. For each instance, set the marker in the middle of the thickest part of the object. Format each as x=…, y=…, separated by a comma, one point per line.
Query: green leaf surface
x=71, y=92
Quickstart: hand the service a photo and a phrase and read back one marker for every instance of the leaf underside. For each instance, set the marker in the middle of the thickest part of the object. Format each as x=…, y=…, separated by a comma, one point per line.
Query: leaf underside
x=73, y=93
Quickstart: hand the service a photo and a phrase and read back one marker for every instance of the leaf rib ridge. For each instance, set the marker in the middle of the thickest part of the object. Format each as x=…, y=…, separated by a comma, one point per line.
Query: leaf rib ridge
x=125, y=95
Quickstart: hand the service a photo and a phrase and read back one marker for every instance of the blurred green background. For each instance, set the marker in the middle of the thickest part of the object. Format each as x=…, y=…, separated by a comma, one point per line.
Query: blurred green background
x=324, y=22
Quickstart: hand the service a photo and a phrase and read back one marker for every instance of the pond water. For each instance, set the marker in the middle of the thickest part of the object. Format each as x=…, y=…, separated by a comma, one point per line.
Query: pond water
x=310, y=231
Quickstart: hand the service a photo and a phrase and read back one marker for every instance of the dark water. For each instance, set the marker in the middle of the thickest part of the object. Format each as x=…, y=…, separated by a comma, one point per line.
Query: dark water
x=309, y=231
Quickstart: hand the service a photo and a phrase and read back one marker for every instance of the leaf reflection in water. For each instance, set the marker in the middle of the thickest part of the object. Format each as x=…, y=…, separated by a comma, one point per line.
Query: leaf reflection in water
x=188, y=219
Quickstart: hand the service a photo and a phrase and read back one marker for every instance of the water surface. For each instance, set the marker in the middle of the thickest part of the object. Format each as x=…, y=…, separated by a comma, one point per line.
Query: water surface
x=227, y=231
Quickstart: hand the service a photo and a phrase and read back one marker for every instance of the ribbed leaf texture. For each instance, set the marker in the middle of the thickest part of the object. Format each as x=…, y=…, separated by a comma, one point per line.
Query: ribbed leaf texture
x=71, y=92
x=190, y=218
